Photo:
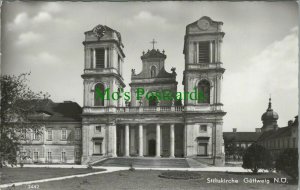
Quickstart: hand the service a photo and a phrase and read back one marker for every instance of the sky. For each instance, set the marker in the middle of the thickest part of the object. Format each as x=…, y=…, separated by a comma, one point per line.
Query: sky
x=259, y=50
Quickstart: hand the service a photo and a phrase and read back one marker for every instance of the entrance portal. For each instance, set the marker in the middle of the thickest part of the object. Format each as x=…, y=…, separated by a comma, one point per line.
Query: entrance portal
x=152, y=147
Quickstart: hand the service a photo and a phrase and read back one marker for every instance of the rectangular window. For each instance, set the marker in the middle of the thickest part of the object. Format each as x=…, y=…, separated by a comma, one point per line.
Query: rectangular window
x=203, y=52
x=63, y=134
x=77, y=155
x=77, y=133
x=98, y=128
x=63, y=157
x=203, y=128
x=35, y=134
x=100, y=58
x=35, y=156
x=49, y=156
x=49, y=134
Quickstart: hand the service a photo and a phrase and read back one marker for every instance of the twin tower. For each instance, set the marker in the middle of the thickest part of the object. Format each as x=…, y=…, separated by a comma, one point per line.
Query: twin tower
x=151, y=126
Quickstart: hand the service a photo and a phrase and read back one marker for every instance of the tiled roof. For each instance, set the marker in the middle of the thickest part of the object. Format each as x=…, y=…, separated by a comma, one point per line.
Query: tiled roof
x=279, y=132
x=240, y=136
x=66, y=111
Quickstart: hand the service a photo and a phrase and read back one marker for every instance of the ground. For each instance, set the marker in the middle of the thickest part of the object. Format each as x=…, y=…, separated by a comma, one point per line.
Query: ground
x=149, y=179
x=11, y=175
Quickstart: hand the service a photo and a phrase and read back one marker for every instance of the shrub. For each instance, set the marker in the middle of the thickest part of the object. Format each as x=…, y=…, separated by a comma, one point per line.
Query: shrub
x=257, y=157
x=288, y=162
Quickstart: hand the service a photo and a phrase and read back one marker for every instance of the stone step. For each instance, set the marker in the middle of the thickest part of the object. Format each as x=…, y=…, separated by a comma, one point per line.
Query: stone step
x=147, y=163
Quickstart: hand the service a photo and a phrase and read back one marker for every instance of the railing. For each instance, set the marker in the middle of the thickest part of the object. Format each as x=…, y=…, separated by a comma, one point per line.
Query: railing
x=133, y=109
x=204, y=65
x=154, y=109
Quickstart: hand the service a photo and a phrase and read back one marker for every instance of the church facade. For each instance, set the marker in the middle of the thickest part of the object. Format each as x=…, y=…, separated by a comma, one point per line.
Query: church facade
x=151, y=126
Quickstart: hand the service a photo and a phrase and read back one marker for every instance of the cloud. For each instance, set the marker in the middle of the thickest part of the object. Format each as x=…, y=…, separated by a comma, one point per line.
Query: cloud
x=275, y=68
x=273, y=71
x=146, y=17
x=22, y=21
x=42, y=17
x=42, y=58
x=52, y=7
x=28, y=38
x=19, y=22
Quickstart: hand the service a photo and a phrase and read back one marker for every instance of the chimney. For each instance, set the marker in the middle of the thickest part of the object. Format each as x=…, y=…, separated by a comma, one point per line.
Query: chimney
x=257, y=130
x=234, y=130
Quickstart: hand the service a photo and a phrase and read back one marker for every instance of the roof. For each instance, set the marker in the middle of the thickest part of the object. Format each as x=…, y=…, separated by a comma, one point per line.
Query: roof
x=67, y=111
x=154, y=54
x=240, y=136
x=279, y=132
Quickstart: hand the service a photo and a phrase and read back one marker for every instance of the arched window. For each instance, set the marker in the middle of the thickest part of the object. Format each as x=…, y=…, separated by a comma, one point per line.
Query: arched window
x=99, y=94
x=203, y=92
x=153, y=101
x=153, y=71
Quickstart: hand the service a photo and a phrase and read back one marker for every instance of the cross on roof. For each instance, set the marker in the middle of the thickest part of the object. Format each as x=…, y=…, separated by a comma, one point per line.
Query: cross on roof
x=153, y=42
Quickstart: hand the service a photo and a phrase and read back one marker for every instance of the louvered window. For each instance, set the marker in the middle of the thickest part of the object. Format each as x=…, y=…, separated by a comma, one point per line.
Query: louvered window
x=203, y=52
x=100, y=58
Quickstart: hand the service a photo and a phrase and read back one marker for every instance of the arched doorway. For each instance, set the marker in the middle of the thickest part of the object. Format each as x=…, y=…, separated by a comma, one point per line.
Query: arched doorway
x=151, y=147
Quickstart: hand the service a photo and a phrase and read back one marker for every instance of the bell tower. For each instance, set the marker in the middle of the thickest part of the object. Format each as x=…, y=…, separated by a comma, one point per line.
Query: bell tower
x=203, y=66
x=103, y=66
x=203, y=76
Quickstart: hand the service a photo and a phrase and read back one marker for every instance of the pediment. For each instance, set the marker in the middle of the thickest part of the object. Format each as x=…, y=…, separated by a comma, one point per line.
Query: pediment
x=204, y=25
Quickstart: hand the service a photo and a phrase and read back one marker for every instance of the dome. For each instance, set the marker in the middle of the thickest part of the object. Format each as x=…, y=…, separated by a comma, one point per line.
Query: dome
x=269, y=114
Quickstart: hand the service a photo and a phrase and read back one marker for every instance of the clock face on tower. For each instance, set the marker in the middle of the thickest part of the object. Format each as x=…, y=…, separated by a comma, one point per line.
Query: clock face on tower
x=99, y=31
x=203, y=24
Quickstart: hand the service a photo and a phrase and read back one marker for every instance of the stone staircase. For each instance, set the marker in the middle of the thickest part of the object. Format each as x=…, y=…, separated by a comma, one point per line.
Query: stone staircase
x=149, y=163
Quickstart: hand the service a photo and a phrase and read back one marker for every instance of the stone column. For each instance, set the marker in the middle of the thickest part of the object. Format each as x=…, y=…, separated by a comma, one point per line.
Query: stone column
x=197, y=52
x=94, y=58
x=210, y=52
x=126, y=140
x=141, y=140
x=105, y=57
x=184, y=140
x=132, y=149
x=112, y=140
x=172, y=141
x=157, y=140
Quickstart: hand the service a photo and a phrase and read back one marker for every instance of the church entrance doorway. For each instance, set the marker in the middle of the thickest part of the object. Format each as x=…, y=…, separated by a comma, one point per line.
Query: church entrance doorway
x=202, y=149
x=152, y=147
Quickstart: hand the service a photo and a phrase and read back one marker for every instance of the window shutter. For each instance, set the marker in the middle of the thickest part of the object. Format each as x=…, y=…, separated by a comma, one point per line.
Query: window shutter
x=100, y=58
x=203, y=52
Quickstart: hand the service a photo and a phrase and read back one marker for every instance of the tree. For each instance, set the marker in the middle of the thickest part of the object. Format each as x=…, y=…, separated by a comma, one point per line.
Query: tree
x=288, y=162
x=257, y=157
x=18, y=104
